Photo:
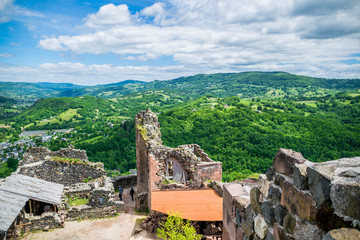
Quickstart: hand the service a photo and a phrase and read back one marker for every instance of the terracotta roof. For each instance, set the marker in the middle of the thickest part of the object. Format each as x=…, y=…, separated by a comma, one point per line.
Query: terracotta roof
x=196, y=205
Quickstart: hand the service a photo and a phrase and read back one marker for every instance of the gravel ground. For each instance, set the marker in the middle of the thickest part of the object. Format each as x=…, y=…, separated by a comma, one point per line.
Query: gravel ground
x=119, y=228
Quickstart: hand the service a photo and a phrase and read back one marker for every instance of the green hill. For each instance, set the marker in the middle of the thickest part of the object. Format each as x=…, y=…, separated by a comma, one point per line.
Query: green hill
x=245, y=84
x=21, y=90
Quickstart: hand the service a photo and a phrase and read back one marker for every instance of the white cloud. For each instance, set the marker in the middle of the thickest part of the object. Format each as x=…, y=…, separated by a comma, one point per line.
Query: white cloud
x=226, y=35
x=109, y=15
x=9, y=10
x=6, y=9
x=6, y=55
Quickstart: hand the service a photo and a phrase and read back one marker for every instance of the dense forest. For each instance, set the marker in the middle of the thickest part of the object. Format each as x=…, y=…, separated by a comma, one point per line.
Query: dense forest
x=316, y=119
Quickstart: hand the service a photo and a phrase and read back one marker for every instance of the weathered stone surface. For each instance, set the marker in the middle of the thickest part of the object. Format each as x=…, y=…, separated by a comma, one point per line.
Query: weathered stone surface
x=351, y=173
x=307, y=231
x=327, y=220
x=260, y=226
x=249, y=215
x=289, y=223
x=280, y=213
x=342, y=234
x=218, y=187
x=269, y=234
x=256, y=199
x=240, y=234
x=345, y=196
x=274, y=194
x=279, y=233
x=270, y=174
x=247, y=223
x=300, y=176
x=60, y=166
x=319, y=184
x=285, y=159
x=241, y=203
x=298, y=202
x=268, y=212
x=263, y=185
x=279, y=179
x=125, y=181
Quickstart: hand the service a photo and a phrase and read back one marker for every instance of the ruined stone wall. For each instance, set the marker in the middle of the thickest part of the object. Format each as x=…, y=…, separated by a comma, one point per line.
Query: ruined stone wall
x=296, y=199
x=125, y=181
x=46, y=221
x=193, y=165
x=66, y=166
x=37, y=154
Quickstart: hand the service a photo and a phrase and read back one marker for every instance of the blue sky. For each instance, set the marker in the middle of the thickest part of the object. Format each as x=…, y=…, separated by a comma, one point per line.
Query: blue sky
x=97, y=42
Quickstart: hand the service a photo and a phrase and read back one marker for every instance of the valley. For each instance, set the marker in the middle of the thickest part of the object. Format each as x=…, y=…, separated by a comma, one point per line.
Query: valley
x=239, y=119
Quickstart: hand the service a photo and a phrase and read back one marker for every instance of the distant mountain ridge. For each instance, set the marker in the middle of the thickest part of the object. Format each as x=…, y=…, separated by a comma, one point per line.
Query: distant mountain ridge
x=245, y=84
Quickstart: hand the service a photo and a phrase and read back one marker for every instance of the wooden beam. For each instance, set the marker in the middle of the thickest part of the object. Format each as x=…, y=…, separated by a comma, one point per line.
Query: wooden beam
x=30, y=206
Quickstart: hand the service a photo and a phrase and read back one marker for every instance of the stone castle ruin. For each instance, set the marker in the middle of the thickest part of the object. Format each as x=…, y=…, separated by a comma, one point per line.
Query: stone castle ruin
x=46, y=182
x=163, y=168
x=296, y=199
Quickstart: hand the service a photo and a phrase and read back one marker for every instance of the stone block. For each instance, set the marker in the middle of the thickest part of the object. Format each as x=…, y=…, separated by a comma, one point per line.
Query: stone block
x=345, y=195
x=342, y=234
x=260, y=226
x=301, y=177
x=280, y=213
x=285, y=159
x=307, y=231
x=269, y=234
x=298, y=202
x=256, y=199
x=263, y=185
x=274, y=194
x=248, y=229
x=241, y=203
x=239, y=233
x=289, y=223
x=270, y=174
x=249, y=215
x=268, y=212
x=319, y=184
x=279, y=233
x=279, y=179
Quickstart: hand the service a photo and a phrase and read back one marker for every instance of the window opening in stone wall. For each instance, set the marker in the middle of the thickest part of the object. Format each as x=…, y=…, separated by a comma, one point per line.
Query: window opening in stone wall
x=169, y=170
x=175, y=172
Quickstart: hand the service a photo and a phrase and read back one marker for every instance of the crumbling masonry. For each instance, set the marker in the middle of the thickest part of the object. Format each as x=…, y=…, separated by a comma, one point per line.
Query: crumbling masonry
x=160, y=167
x=296, y=199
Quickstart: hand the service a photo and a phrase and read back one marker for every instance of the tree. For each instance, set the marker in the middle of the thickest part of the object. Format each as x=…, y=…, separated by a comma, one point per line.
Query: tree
x=176, y=228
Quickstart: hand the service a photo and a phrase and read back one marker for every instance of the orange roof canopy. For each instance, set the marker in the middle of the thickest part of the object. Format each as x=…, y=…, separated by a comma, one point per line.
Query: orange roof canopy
x=196, y=205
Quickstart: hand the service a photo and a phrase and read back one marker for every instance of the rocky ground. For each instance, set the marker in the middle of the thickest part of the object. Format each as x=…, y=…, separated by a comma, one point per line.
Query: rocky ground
x=119, y=228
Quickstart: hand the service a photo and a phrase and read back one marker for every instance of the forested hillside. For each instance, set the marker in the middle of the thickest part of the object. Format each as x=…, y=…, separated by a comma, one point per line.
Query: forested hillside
x=318, y=117
x=245, y=84
x=245, y=135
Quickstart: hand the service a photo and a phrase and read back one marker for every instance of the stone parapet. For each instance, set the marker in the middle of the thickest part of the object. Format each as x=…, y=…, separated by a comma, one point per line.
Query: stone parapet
x=298, y=199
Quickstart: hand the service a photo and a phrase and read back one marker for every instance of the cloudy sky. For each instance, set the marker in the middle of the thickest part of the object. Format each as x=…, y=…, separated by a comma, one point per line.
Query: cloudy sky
x=97, y=41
